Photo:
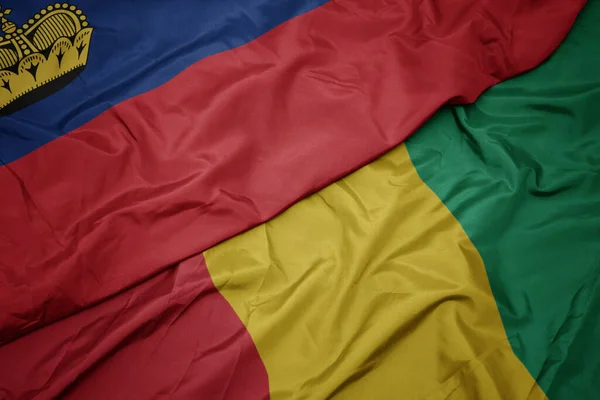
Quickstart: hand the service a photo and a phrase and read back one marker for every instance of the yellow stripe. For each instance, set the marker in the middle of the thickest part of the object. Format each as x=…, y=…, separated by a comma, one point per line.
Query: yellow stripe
x=66, y=26
x=370, y=289
x=41, y=38
x=8, y=58
x=54, y=27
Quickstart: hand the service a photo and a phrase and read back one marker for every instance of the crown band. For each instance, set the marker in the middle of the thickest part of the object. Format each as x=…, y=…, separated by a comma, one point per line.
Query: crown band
x=41, y=56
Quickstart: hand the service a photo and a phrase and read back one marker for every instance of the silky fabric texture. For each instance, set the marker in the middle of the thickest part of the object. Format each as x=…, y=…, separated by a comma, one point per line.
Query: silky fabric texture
x=370, y=289
x=173, y=336
x=239, y=136
x=520, y=169
x=117, y=346
x=136, y=46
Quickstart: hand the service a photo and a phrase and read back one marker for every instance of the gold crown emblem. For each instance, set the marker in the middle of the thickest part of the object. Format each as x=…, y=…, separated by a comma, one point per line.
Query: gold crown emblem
x=42, y=56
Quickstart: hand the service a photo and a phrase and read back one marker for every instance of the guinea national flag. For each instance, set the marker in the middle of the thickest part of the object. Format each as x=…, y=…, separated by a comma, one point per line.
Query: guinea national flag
x=136, y=135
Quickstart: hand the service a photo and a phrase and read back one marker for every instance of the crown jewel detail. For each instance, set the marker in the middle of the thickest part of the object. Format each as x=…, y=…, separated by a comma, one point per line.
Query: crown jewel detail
x=41, y=56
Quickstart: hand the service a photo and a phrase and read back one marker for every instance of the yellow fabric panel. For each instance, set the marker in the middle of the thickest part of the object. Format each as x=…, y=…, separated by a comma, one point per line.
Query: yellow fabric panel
x=370, y=289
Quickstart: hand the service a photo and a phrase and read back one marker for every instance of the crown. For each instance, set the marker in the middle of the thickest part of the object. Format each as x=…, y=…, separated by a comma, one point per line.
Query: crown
x=42, y=56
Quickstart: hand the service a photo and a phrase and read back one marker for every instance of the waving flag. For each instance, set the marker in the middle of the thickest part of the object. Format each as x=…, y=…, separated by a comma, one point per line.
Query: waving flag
x=106, y=183
x=137, y=135
x=463, y=265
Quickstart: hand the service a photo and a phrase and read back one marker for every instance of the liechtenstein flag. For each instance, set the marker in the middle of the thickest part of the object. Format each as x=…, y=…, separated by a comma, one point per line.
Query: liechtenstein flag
x=136, y=134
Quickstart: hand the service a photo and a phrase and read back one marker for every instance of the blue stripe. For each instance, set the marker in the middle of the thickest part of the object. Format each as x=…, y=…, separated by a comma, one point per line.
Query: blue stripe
x=136, y=46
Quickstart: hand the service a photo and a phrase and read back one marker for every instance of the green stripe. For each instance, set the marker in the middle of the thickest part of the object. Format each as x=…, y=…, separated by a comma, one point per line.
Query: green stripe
x=520, y=169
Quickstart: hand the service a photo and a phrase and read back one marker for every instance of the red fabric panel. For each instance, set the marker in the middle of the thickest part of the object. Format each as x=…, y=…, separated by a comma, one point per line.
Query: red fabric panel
x=240, y=136
x=173, y=336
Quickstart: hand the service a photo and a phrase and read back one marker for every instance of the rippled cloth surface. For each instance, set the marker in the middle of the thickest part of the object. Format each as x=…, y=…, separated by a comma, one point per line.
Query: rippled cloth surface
x=520, y=170
x=127, y=184
x=377, y=286
x=440, y=277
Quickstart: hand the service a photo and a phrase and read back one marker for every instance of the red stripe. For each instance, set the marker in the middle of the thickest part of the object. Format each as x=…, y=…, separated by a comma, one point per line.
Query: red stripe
x=173, y=336
x=241, y=135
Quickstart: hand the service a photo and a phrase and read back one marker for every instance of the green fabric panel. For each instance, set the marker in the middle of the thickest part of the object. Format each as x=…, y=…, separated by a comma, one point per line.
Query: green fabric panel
x=520, y=169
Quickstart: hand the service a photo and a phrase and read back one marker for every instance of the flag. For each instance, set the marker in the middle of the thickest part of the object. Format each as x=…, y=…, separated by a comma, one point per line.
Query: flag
x=161, y=147
x=157, y=151
x=462, y=265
